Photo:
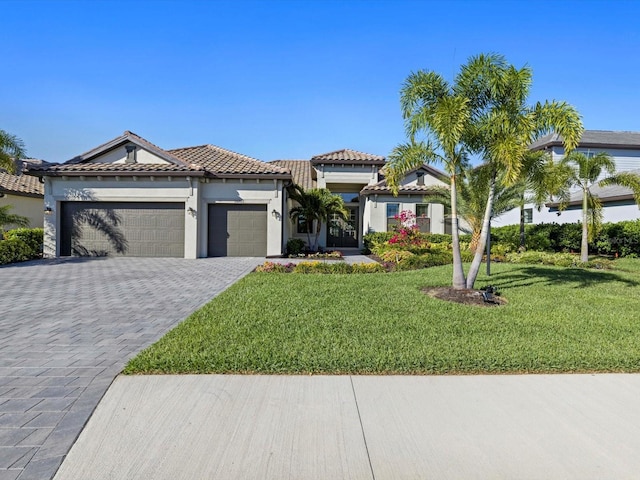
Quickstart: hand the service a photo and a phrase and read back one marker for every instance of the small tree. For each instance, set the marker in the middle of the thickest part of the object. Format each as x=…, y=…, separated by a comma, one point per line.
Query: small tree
x=7, y=218
x=315, y=207
x=11, y=149
x=583, y=173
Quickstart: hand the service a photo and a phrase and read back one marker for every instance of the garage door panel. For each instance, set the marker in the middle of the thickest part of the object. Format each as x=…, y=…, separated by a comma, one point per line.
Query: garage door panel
x=122, y=228
x=238, y=230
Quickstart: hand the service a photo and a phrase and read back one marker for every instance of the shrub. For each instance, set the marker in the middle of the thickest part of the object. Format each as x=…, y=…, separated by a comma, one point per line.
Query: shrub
x=367, y=268
x=374, y=238
x=395, y=256
x=295, y=246
x=20, y=245
x=13, y=250
x=33, y=237
x=275, y=267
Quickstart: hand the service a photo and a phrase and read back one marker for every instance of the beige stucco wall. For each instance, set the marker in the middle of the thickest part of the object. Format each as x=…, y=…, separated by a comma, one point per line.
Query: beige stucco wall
x=30, y=207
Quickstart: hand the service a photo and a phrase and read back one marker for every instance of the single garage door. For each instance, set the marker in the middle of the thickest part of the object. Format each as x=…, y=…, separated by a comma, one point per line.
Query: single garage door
x=132, y=229
x=237, y=230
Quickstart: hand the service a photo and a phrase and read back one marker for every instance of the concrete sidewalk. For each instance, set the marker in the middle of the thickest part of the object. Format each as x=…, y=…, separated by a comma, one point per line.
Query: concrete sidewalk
x=338, y=427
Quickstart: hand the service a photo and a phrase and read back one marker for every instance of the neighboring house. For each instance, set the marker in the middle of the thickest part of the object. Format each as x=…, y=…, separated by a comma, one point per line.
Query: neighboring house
x=131, y=197
x=24, y=193
x=358, y=178
x=618, y=202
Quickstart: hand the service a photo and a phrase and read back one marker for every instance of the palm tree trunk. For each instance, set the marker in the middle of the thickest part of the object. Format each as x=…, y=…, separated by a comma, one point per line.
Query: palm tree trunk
x=484, y=233
x=458, y=271
x=584, y=247
x=522, y=238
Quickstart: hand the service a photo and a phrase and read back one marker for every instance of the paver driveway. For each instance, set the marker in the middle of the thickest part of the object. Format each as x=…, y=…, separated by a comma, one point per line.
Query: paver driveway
x=67, y=328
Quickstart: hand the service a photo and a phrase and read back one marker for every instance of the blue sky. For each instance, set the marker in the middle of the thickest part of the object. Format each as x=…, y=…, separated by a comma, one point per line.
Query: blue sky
x=290, y=79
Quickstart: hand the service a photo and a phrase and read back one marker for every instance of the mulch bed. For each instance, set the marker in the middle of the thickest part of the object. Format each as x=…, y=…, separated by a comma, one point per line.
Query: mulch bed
x=464, y=296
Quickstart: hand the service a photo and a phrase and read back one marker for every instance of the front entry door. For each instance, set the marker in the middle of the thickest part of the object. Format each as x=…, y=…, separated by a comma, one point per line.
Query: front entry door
x=343, y=234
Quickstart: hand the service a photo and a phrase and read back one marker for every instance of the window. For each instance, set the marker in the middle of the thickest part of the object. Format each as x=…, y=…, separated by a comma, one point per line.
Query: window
x=420, y=177
x=422, y=210
x=393, y=209
x=422, y=218
x=528, y=215
x=302, y=225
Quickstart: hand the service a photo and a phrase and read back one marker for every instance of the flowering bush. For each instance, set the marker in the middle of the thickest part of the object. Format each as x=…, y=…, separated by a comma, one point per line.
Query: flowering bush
x=274, y=267
x=406, y=232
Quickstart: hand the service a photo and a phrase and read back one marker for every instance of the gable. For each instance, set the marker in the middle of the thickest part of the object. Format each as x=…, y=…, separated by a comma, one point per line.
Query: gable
x=119, y=155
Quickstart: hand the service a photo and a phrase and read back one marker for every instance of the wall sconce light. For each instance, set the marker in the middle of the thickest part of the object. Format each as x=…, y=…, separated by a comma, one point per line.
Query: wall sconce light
x=48, y=210
x=275, y=214
x=192, y=212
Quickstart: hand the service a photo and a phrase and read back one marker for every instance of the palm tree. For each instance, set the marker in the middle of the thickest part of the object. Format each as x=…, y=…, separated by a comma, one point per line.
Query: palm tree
x=473, y=190
x=315, y=207
x=541, y=179
x=584, y=170
x=7, y=218
x=430, y=105
x=11, y=149
x=504, y=126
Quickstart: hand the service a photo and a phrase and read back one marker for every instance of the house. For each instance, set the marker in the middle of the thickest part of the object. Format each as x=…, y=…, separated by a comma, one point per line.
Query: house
x=618, y=202
x=24, y=193
x=358, y=178
x=131, y=197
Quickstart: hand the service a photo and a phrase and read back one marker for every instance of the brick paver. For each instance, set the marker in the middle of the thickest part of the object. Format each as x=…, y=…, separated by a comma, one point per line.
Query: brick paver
x=67, y=328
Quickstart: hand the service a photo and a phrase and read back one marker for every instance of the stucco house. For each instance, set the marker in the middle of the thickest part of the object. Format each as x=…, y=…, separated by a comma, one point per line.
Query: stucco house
x=618, y=202
x=131, y=197
x=24, y=193
x=358, y=178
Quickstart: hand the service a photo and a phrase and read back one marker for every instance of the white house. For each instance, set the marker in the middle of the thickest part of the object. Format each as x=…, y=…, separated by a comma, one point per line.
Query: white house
x=131, y=197
x=618, y=202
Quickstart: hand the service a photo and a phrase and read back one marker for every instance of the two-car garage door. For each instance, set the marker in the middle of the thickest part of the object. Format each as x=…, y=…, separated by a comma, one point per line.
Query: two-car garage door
x=134, y=229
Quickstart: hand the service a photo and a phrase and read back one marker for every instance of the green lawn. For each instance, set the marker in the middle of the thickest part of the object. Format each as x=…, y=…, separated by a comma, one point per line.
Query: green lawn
x=557, y=320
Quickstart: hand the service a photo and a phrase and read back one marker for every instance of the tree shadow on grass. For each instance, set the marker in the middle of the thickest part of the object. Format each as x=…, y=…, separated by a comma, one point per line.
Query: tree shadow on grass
x=545, y=276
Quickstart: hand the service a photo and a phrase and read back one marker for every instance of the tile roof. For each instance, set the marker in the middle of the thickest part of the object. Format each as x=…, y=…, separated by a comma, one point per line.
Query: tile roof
x=25, y=185
x=114, y=168
x=348, y=156
x=301, y=171
x=222, y=162
x=199, y=161
x=382, y=187
x=594, y=139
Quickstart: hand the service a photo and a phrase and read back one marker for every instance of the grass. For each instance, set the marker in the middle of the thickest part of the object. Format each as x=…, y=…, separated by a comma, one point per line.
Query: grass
x=557, y=320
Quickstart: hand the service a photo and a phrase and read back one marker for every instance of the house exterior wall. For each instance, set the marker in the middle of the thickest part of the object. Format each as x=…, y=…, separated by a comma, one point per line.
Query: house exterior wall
x=355, y=174
x=250, y=191
x=30, y=207
x=625, y=160
x=376, y=211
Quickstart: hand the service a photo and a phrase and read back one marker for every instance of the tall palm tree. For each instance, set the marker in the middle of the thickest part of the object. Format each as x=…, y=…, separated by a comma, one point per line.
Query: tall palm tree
x=315, y=207
x=11, y=149
x=584, y=170
x=431, y=106
x=7, y=218
x=505, y=126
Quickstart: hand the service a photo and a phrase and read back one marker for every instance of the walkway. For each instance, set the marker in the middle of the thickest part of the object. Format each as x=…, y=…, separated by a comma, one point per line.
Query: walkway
x=551, y=427
x=68, y=327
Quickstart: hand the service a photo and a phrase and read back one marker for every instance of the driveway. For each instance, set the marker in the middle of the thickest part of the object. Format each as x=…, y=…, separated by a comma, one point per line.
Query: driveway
x=68, y=327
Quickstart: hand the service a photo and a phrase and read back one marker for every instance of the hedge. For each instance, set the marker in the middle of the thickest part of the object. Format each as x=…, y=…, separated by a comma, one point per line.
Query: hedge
x=21, y=244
